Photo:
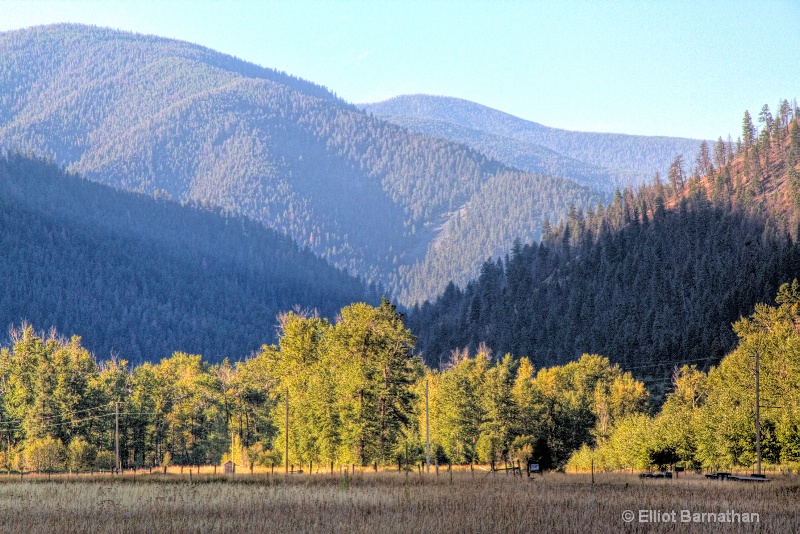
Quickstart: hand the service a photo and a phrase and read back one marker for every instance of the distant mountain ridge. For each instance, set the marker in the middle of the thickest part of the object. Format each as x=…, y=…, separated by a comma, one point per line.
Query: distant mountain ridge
x=518, y=153
x=181, y=121
x=587, y=157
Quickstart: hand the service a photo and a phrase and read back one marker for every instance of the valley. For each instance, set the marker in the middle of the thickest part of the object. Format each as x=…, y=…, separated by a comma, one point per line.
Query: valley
x=211, y=265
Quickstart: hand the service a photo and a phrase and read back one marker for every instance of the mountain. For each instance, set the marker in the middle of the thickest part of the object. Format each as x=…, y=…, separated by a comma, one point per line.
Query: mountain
x=601, y=160
x=180, y=121
x=516, y=153
x=652, y=281
x=141, y=277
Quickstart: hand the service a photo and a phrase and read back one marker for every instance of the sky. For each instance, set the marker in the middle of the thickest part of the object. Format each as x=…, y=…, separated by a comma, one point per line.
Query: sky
x=672, y=67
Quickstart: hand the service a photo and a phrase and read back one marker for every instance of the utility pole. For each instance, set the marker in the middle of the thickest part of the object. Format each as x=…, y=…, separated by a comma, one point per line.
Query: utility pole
x=116, y=434
x=758, y=420
x=233, y=458
x=286, y=449
x=427, y=432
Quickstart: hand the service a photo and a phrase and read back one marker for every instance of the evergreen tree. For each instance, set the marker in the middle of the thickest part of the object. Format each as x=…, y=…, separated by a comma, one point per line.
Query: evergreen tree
x=704, y=165
x=748, y=131
x=720, y=157
x=676, y=173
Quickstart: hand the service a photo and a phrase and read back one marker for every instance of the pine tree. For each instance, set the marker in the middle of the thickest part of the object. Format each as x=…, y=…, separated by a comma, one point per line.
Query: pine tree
x=676, y=173
x=729, y=150
x=765, y=119
x=793, y=153
x=703, y=162
x=748, y=131
x=720, y=157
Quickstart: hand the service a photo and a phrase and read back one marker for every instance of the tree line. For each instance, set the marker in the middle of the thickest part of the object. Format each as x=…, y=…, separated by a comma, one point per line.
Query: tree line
x=355, y=395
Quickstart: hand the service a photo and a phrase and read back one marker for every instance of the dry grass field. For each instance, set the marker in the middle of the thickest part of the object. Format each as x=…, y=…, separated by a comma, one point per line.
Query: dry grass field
x=387, y=502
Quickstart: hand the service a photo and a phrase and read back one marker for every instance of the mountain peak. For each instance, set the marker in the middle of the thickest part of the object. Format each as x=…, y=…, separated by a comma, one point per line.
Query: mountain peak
x=602, y=160
x=72, y=47
x=452, y=109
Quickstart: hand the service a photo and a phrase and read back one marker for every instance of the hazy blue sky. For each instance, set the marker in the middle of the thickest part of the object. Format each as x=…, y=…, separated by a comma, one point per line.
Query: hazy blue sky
x=659, y=68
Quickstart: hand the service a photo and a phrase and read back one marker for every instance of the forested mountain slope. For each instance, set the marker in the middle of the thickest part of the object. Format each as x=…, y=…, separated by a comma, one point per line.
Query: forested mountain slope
x=653, y=280
x=165, y=117
x=518, y=153
x=600, y=159
x=140, y=277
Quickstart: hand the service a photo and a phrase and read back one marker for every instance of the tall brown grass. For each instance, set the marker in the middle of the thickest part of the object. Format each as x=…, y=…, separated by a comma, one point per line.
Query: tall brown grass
x=383, y=502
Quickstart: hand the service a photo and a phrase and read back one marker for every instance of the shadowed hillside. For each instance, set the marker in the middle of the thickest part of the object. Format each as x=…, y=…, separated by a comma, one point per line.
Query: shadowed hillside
x=140, y=277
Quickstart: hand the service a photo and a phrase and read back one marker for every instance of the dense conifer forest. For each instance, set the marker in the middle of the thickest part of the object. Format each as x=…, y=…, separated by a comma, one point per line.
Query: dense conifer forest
x=141, y=277
x=655, y=278
x=514, y=152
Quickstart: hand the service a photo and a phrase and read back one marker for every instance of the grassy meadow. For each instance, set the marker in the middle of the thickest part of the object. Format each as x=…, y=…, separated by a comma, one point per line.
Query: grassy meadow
x=385, y=502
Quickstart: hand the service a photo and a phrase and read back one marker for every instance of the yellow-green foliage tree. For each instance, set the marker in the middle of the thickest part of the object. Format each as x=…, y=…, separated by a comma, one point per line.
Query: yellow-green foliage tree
x=629, y=446
x=349, y=385
x=726, y=429
x=675, y=429
x=499, y=412
x=494, y=411
x=459, y=410
x=294, y=368
x=583, y=400
x=356, y=396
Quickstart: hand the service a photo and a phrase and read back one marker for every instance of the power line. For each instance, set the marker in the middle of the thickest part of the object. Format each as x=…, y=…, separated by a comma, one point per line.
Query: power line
x=75, y=421
x=55, y=416
x=674, y=362
x=53, y=425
